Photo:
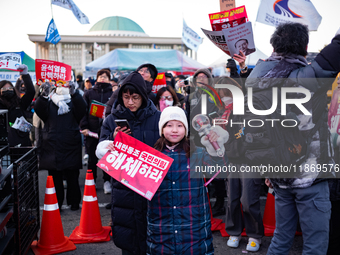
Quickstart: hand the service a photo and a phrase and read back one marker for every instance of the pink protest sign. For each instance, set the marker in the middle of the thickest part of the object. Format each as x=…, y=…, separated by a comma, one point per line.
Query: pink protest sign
x=136, y=165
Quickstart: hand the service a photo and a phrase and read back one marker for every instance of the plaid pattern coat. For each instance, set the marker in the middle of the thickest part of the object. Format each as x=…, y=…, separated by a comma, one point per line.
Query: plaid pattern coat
x=179, y=214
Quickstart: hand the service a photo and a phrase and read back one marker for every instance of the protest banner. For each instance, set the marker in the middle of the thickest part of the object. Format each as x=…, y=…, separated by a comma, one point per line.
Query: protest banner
x=159, y=82
x=190, y=38
x=240, y=38
x=217, y=38
x=52, y=71
x=13, y=76
x=334, y=113
x=97, y=109
x=274, y=13
x=230, y=18
x=136, y=165
x=11, y=60
x=70, y=5
x=226, y=5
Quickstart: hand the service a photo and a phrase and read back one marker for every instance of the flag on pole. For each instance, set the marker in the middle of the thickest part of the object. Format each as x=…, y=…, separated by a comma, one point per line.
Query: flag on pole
x=275, y=12
x=70, y=5
x=96, y=46
x=52, y=34
x=191, y=39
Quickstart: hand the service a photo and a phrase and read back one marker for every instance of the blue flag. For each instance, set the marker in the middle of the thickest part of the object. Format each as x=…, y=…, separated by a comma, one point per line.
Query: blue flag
x=52, y=34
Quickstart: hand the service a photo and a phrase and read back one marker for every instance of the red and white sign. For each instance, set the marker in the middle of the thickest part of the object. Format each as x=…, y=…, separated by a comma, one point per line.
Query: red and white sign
x=159, y=82
x=334, y=113
x=48, y=70
x=136, y=165
x=217, y=38
x=229, y=18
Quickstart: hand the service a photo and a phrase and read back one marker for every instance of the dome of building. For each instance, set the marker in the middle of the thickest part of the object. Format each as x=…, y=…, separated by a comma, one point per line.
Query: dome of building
x=116, y=26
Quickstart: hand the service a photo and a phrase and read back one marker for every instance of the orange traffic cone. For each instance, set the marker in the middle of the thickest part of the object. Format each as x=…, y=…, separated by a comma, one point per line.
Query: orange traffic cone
x=52, y=239
x=90, y=229
x=269, y=215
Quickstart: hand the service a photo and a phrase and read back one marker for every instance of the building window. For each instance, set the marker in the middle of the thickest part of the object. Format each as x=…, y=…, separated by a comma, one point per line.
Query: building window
x=140, y=46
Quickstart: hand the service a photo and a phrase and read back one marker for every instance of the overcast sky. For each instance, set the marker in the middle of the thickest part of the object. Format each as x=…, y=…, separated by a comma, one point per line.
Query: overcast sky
x=156, y=17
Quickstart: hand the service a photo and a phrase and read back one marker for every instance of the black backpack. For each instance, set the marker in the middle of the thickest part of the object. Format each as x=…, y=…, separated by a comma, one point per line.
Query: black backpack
x=272, y=143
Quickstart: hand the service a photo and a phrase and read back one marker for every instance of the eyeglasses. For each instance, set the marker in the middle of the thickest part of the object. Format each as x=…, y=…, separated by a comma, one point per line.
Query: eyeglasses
x=201, y=76
x=166, y=97
x=144, y=71
x=4, y=89
x=103, y=76
x=133, y=98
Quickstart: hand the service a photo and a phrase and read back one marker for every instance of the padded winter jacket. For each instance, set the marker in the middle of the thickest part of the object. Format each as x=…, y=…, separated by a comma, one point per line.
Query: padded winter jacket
x=179, y=213
x=60, y=145
x=317, y=77
x=16, y=136
x=129, y=208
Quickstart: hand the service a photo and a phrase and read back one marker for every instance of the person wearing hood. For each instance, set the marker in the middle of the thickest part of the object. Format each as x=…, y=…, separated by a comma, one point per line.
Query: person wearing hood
x=149, y=73
x=10, y=100
x=128, y=211
x=60, y=147
x=101, y=92
x=201, y=79
x=80, y=82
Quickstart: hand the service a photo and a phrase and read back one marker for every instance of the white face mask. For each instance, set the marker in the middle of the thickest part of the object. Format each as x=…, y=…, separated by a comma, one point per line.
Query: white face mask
x=62, y=91
x=169, y=103
x=227, y=100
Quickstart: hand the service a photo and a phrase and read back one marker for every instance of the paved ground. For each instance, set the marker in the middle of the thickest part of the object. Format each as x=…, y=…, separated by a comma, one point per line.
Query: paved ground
x=71, y=219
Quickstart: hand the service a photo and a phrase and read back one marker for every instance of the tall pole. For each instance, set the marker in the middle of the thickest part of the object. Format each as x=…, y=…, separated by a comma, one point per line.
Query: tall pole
x=92, y=53
x=55, y=46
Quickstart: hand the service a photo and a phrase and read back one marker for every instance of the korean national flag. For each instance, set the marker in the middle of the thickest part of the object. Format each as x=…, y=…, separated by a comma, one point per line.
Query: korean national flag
x=52, y=34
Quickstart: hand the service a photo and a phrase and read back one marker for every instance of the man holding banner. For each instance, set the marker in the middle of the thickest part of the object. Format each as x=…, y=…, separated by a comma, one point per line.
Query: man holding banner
x=128, y=207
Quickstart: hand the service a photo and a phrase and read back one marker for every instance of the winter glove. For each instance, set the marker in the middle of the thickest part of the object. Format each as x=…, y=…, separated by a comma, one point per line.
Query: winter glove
x=23, y=68
x=72, y=88
x=45, y=89
x=102, y=148
x=223, y=138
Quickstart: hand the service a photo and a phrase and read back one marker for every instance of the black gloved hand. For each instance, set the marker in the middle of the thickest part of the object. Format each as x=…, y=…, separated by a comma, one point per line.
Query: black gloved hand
x=45, y=89
x=72, y=88
x=24, y=69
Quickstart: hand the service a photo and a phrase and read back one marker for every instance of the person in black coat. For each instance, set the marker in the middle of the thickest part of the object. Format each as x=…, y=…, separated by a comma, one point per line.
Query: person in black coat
x=60, y=147
x=10, y=100
x=129, y=209
x=80, y=82
x=101, y=92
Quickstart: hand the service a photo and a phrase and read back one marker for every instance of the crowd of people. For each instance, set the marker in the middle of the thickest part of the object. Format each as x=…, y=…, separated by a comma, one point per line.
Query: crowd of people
x=178, y=218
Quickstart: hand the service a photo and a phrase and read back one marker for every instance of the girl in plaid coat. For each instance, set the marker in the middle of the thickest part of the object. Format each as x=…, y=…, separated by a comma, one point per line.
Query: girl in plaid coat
x=179, y=214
